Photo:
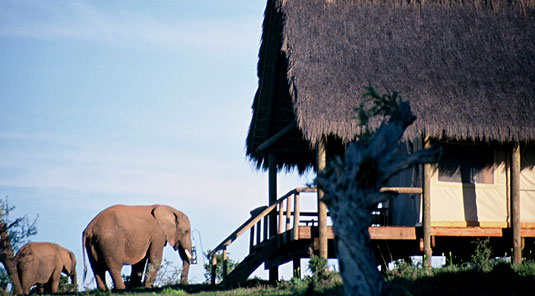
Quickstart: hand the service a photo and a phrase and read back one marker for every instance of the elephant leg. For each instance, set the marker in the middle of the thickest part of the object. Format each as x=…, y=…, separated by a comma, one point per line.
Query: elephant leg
x=25, y=283
x=100, y=278
x=99, y=271
x=155, y=260
x=115, y=272
x=53, y=284
x=137, y=273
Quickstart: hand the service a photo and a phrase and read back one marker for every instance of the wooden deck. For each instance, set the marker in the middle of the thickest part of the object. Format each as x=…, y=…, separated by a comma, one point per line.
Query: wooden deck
x=297, y=236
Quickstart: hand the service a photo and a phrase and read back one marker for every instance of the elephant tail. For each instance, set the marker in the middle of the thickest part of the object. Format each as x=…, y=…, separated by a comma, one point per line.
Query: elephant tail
x=84, y=235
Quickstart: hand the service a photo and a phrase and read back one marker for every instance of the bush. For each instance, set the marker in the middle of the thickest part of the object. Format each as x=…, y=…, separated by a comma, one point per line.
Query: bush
x=231, y=264
x=318, y=266
x=171, y=291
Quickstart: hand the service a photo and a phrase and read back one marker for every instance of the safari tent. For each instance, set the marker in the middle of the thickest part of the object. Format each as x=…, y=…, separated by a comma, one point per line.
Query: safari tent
x=468, y=70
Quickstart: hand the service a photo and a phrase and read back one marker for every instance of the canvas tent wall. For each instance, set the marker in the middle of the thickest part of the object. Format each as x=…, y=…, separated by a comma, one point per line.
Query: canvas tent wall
x=469, y=187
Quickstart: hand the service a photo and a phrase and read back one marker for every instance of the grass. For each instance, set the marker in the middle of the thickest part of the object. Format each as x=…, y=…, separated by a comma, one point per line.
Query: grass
x=483, y=275
x=405, y=279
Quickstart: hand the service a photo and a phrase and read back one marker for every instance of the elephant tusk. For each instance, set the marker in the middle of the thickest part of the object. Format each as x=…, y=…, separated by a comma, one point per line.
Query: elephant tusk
x=187, y=254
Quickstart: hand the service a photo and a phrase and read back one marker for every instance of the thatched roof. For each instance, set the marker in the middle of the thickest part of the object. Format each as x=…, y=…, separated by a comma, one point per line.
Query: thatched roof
x=467, y=68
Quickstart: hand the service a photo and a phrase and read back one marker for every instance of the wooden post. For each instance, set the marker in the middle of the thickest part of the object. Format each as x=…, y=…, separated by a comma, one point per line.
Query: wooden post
x=297, y=217
x=272, y=191
x=426, y=207
x=266, y=230
x=214, y=265
x=322, y=208
x=281, y=210
x=225, y=267
x=259, y=231
x=251, y=239
x=288, y=211
x=515, y=204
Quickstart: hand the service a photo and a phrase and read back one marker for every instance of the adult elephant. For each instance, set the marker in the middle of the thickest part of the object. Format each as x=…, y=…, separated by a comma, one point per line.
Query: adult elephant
x=133, y=235
x=43, y=263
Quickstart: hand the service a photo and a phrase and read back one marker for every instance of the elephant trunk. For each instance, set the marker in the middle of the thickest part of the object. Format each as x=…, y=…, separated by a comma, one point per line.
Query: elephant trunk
x=185, y=255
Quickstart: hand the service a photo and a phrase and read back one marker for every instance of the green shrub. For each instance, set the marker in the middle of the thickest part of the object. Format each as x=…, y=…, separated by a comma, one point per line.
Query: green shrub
x=526, y=269
x=171, y=291
x=481, y=256
x=231, y=264
x=318, y=266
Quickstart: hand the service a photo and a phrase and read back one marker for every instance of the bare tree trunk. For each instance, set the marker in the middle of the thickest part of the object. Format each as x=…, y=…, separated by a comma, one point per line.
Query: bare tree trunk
x=351, y=188
x=7, y=258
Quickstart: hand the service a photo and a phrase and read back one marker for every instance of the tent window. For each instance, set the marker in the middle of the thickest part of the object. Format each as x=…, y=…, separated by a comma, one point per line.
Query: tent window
x=466, y=164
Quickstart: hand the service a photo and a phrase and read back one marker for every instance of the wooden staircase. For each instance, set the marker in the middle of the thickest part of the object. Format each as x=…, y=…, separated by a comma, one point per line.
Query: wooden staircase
x=262, y=247
x=250, y=263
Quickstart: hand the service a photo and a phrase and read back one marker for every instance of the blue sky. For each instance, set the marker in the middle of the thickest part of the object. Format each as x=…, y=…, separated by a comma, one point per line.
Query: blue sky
x=132, y=102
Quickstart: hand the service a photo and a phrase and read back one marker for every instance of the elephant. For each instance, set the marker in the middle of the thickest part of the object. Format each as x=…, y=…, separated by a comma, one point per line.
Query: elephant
x=134, y=235
x=43, y=263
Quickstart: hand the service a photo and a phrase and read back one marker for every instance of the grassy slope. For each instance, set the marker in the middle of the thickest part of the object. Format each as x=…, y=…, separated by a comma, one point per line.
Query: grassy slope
x=406, y=280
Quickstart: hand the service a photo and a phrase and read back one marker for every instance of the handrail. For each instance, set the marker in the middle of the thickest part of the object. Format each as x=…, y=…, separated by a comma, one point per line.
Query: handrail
x=254, y=219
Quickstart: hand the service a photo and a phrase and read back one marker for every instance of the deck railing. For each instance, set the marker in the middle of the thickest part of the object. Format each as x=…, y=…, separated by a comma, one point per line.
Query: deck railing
x=287, y=220
x=258, y=225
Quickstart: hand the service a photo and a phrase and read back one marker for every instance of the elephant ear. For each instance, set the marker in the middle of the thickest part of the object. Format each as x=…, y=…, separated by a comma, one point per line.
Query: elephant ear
x=167, y=221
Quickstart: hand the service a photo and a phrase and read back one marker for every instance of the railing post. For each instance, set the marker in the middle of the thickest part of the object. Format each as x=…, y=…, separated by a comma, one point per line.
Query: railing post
x=259, y=231
x=297, y=216
x=288, y=211
x=214, y=265
x=280, y=217
x=267, y=224
x=251, y=239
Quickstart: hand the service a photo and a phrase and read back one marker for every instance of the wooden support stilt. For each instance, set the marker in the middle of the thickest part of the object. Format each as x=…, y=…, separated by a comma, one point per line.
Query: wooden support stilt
x=322, y=207
x=225, y=267
x=213, y=271
x=426, y=208
x=515, y=204
x=272, y=191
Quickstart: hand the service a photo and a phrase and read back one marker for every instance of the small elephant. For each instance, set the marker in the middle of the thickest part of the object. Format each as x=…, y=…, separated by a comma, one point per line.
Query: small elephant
x=132, y=235
x=43, y=263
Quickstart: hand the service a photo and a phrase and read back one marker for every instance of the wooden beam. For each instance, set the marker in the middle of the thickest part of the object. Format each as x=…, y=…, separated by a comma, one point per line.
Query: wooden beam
x=426, y=207
x=392, y=233
x=467, y=231
x=322, y=207
x=267, y=143
x=305, y=232
x=515, y=204
x=403, y=190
